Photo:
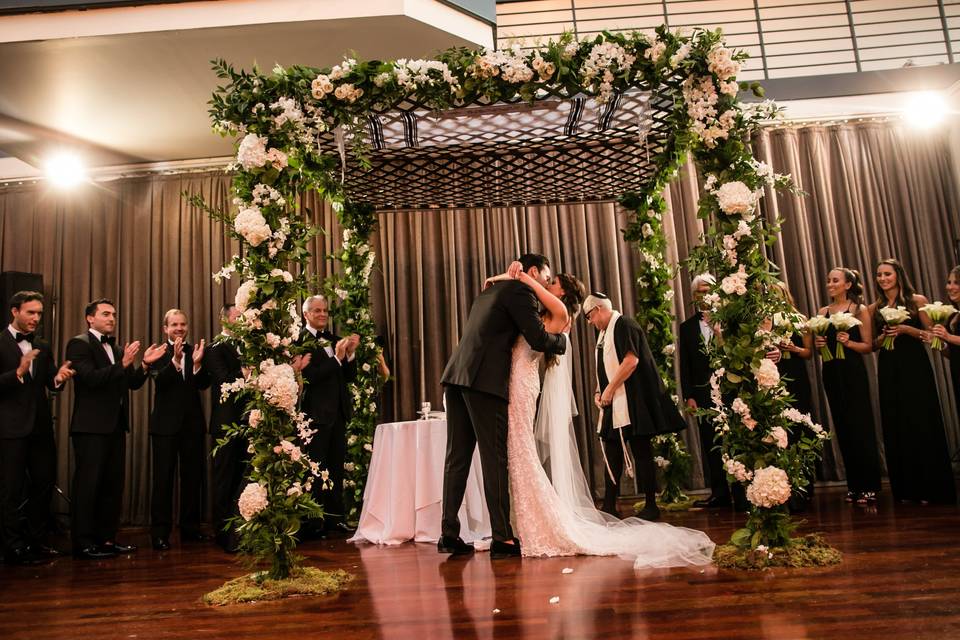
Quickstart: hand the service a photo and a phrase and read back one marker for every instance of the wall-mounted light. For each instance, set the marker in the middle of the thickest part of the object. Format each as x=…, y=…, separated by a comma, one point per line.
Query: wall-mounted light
x=925, y=109
x=65, y=170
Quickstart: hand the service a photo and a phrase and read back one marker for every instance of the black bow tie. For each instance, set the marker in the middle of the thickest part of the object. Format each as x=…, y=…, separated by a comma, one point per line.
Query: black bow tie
x=107, y=340
x=326, y=335
x=20, y=337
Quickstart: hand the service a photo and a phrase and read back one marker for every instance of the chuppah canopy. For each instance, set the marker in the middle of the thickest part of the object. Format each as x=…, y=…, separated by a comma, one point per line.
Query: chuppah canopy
x=557, y=149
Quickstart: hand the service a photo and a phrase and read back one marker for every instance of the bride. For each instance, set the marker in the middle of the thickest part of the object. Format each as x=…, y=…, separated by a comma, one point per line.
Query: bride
x=560, y=519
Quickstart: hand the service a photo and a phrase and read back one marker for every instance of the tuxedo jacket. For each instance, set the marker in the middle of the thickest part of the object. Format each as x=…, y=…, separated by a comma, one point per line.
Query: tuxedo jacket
x=101, y=391
x=326, y=398
x=694, y=365
x=501, y=313
x=23, y=405
x=176, y=404
x=222, y=364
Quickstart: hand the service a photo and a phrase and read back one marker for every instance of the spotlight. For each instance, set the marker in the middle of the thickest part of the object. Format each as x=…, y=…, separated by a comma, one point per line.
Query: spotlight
x=925, y=109
x=65, y=170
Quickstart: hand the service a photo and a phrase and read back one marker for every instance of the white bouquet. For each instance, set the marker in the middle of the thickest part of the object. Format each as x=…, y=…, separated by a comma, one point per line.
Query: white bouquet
x=818, y=326
x=938, y=313
x=786, y=324
x=843, y=321
x=892, y=316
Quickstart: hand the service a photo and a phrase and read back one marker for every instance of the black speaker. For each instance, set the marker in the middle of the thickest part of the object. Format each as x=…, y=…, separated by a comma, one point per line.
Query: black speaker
x=13, y=281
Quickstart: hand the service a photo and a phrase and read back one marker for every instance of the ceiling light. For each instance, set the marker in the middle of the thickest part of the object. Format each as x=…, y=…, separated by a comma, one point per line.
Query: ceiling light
x=65, y=170
x=925, y=109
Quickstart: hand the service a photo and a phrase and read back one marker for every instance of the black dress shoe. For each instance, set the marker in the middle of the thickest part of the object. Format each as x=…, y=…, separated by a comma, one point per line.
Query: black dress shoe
x=160, y=544
x=93, y=552
x=195, y=536
x=118, y=547
x=24, y=557
x=649, y=512
x=455, y=546
x=500, y=550
x=343, y=527
x=713, y=502
x=44, y=551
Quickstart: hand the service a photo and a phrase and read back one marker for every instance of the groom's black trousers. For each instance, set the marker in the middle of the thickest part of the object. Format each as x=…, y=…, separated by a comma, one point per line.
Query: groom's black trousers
x=476, y=419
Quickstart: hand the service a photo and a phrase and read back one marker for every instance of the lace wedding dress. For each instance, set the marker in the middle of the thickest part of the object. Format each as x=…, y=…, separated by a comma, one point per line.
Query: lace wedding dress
x=560, y=519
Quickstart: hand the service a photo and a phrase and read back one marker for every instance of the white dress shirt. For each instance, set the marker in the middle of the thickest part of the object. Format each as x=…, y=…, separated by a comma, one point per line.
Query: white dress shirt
x=25, y=347
x=106, y=346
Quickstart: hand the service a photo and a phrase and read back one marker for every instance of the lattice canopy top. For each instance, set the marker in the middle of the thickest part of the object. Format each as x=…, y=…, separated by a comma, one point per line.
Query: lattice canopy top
x=555, y=150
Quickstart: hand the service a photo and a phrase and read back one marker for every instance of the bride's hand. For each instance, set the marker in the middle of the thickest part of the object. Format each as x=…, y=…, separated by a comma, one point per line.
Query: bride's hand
x=515, y=269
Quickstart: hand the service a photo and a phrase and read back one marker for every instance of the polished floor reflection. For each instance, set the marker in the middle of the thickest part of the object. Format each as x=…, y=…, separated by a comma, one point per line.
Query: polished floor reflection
x=900, y=578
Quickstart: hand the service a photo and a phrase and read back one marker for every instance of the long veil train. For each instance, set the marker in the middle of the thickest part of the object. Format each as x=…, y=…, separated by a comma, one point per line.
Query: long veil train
x=648, y=544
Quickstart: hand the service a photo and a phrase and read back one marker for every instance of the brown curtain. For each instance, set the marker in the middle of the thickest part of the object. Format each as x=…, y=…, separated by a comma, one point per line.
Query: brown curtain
x=873, y=191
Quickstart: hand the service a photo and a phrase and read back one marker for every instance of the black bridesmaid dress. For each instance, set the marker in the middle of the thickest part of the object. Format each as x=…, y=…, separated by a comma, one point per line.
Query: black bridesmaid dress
x=953, y=326
x=796, y=378
x=848, y=393
x=918, y=460
x=793, y=371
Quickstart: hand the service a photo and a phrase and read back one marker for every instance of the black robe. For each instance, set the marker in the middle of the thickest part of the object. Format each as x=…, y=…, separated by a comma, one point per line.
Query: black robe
x=652, y=410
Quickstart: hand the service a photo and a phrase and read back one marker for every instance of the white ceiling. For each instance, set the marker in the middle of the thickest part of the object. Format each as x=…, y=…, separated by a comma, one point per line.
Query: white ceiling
x=131, y=85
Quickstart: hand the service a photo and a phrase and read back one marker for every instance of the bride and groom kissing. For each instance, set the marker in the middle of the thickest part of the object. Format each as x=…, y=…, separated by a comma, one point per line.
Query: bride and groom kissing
x=492, y=385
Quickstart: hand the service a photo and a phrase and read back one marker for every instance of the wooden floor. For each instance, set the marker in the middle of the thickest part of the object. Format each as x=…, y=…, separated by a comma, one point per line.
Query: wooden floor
x=900, y=578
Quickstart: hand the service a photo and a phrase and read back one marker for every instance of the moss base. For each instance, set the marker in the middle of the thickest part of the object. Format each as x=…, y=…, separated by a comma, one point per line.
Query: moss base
x=805, y=551
x=681, y=505
x=307, y=581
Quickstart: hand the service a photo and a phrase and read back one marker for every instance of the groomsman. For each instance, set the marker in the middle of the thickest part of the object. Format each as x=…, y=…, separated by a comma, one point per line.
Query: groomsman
x=176, y=433
x=27, y=445
x=105, y=374
x=695, y=335
x=633, y=401
x=222, y=363
x=327, y=401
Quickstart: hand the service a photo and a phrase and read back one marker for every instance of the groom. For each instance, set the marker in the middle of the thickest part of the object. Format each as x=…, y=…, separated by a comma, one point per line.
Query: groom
x=476, y=383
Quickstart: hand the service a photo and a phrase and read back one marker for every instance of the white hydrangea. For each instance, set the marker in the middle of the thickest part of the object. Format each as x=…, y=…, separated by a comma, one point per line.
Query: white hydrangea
x=251, y=224
x=253, y=500
x=736, y=198
x=252, y=152
x=278, y=383
x=242, y=299
x=767, y=374
x=770, y=487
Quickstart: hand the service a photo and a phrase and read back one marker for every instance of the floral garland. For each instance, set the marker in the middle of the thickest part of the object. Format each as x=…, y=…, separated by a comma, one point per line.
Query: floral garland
x=655, y=315
x=281, y=118
x=351, y=289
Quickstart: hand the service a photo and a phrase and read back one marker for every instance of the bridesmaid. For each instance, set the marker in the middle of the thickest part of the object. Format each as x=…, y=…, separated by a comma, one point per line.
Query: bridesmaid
x=951, y=333
x=793, y=370
x=847, y=389
x=917, y=458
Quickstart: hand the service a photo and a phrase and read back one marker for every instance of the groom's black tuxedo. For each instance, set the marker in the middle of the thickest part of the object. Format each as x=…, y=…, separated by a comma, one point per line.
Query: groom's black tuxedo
x=477, y=380
x=501, y=313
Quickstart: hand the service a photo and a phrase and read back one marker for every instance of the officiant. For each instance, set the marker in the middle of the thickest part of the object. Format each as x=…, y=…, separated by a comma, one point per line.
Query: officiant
x=633, y=401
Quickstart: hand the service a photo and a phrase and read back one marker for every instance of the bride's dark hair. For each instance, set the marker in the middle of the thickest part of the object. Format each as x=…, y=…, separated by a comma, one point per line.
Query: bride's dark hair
x=574, y=293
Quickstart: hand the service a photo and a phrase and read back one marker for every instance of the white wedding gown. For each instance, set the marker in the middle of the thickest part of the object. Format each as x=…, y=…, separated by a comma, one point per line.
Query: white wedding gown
x=560, y=519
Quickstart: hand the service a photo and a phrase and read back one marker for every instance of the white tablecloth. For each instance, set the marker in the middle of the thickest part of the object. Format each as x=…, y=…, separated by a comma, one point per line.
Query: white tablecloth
x=402, y=498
